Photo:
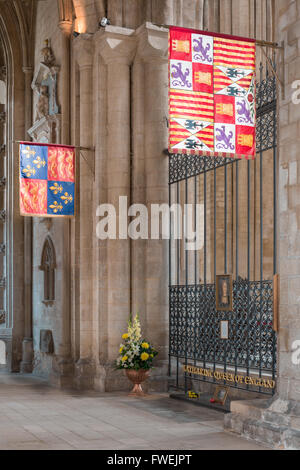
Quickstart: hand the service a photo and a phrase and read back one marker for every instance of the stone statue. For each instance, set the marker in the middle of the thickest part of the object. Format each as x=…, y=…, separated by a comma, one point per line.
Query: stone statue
x=47, y=56
x=42, y=107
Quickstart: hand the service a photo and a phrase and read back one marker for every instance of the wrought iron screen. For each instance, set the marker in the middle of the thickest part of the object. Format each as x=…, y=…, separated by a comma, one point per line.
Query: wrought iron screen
x=238, y=237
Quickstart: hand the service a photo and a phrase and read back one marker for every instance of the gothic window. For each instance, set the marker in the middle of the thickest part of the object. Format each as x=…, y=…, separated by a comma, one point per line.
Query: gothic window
x=48, y=266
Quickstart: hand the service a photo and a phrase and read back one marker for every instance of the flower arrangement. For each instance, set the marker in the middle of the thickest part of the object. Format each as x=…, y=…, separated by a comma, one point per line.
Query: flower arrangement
x=135, y=352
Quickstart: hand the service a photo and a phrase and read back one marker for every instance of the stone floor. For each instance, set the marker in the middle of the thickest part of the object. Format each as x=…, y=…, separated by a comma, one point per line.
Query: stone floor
x=36, y=416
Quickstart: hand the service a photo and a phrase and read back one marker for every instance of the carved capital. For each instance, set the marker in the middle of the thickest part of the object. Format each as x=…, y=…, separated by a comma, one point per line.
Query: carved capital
x=152, y=43
x=66, y=27
x=28, y=70
x=116, y=44
x=84, y=50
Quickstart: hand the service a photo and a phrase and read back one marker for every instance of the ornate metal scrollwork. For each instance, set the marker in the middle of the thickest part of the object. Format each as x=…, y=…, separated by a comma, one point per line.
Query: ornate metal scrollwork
x=195, y=325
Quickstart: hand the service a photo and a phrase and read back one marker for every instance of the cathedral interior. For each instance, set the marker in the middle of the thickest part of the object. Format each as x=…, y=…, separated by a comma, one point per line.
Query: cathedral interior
x=65, y=295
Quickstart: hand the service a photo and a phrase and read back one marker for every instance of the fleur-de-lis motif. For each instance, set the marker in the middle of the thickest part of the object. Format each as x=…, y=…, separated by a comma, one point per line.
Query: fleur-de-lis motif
x=56, y=207
x=39, y=162
x=67, y=198
x=28, y=171
x=56, y=188
x=28, y=152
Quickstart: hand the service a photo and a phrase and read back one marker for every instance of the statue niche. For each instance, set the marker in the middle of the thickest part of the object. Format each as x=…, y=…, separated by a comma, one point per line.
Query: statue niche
x=48, y=265
x=47, y=116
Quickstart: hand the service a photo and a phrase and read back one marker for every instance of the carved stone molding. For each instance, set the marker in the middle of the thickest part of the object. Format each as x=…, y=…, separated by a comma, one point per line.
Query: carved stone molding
x=65, y=10
x=3, y=73
x=2, y=317
x=2, y=182
x=3, y=117
x=2, y=149
x=152, y=43
x=2, y=282
x=47, y=129
x=47, y=222
x=116, y=44
x=2, y=215
x=2, y=248
x=84, y=48
x=47, y=116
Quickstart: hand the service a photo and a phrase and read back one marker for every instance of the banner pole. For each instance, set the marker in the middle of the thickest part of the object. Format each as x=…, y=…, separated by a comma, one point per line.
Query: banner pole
x=55, y=145
x=258, y=42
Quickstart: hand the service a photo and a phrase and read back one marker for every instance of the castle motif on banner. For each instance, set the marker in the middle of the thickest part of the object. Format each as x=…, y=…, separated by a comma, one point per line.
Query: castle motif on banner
x=211, y=94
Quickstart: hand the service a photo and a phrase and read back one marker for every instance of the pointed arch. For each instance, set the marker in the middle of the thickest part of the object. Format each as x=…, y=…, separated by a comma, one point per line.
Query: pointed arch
x=48, y=265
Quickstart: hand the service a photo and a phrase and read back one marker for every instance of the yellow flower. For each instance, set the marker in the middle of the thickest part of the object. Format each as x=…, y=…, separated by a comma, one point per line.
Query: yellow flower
x=121, y=348
x=145, y=345
x=124, y=358
x=151, y=355
x=125, y=336
x=144, y=356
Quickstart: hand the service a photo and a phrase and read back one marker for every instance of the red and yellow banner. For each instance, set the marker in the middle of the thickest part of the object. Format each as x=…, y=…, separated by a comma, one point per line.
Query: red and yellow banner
x=47, y=180
x=211, y=94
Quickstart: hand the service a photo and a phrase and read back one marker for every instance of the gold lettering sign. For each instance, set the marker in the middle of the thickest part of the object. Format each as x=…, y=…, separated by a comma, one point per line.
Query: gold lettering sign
x=230, y=378
x=245, y=140
x=223, y=108
x=203, y=77
x=181, y=46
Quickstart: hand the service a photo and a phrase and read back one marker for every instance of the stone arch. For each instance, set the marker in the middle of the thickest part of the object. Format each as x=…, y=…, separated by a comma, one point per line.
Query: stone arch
x=48, y=265
x=2, y=353
x=16, y=33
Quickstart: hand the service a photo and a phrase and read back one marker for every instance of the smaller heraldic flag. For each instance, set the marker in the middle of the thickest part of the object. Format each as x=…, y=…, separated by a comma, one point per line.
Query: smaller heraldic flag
x=211, y=94
x=47, y=180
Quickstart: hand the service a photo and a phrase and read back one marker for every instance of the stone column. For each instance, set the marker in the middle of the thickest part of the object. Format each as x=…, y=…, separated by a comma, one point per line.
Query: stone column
x=63, y=367
x=277, y=421
x=27, y=346
x=84, y=368
x=289, y=204
x=153, y=49
x=66, y=28
x=138, y=186
x=116, y=46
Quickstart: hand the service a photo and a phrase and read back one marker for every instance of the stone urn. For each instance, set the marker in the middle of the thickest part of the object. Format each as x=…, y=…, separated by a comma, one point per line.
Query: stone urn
x=137, y=377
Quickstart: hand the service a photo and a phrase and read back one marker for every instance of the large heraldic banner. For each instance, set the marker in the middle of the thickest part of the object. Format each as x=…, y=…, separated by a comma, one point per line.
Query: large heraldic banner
x=211, y=94
x=47, y=180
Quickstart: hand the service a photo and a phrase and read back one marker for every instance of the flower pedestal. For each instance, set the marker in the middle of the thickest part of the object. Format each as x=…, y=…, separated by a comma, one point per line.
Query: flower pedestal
x=137, y=377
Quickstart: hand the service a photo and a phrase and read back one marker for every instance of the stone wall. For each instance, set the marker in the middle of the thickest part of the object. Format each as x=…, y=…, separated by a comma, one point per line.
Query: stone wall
x=289, y=222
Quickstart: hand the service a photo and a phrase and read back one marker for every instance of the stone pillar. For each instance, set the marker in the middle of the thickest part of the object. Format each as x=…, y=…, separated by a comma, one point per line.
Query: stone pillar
x=27, y=346
x=84, y=368
x=66, y=28
x=277, y=421
x=116, y=46
x=138, y=186
x=289, y=204
x=153, y=49
x=63, y=367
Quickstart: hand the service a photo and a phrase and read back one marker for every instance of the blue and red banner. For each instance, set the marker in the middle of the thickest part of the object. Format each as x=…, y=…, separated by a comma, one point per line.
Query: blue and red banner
x=211, y=94
x=47, y=180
